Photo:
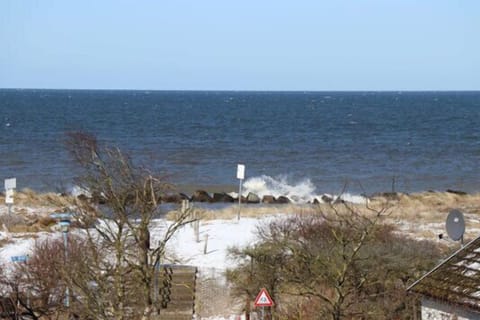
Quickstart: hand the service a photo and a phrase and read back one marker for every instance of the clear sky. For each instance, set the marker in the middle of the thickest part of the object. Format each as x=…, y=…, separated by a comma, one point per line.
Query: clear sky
x=241, y=45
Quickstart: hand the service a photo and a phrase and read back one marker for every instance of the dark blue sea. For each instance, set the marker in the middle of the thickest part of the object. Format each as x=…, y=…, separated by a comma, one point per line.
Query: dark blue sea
x=290, y=142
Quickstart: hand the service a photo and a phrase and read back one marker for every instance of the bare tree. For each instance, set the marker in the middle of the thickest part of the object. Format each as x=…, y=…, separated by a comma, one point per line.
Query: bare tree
x=117, y=279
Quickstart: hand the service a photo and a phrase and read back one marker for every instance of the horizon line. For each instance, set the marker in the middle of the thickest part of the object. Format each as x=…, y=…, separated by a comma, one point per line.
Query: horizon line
x=245, y=90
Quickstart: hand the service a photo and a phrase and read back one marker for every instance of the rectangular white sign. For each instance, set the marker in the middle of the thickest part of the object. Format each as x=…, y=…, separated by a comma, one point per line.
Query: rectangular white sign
x=241, y=171
x=10, y=183
x=9, y=196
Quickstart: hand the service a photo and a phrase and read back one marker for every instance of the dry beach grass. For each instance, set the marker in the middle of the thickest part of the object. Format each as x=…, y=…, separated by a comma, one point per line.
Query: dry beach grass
x=420, y=215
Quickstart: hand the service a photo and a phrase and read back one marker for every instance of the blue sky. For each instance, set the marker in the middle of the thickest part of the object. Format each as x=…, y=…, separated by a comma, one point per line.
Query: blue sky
x=241, y=45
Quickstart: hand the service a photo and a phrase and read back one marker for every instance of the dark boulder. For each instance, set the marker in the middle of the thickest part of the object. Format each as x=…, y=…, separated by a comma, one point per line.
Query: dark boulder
x=244, y=199
x=269, y=199
x=326, y=199
x=82, y=197
x=253, y=198
x=173, y=198
x=460, y=193
x=99, y=198
x=222, y=197
x=201, y=196
x=388, y=195
x=184, y=196
x=315, y=201
x=283, y=200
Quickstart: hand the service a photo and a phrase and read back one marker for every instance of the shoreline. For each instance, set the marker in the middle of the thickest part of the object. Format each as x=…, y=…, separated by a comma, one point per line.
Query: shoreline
x=188, y=191
x=417, y=215
x=436, y=199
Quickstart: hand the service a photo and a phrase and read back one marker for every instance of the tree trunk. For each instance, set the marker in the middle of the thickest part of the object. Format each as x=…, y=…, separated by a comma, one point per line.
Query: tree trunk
x=147, y=312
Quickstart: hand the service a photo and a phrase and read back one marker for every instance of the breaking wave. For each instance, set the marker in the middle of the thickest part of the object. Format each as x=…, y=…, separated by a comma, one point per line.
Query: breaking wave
x=302, y=191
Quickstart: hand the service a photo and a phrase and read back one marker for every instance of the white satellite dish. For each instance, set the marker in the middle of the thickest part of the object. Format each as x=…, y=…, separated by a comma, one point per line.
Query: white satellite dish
x=455, y=225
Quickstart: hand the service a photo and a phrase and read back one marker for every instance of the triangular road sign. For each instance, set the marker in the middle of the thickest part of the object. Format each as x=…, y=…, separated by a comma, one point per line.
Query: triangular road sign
x=263, y=299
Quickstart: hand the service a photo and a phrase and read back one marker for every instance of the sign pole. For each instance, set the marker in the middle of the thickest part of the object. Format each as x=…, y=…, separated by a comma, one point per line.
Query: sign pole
x=240, y=176
x=64, y=223
x=239, y=199
x=10, y=185
x=65, y=244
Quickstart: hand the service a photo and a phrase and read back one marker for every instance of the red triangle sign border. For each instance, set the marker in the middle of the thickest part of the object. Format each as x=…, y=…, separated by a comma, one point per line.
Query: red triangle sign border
x=263, y=299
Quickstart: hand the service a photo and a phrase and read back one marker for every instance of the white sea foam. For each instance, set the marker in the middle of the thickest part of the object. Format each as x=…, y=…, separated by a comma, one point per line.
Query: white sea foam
x=77, y=190
x=352, y=198
x=302, y=191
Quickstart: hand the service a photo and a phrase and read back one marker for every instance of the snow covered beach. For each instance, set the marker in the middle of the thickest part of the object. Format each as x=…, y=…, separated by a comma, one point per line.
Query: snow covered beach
x=419, y=215
x=416, y=215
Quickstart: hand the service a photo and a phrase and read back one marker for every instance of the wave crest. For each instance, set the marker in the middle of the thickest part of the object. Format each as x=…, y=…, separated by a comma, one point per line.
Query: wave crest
x=299, y=192
x=303, y=191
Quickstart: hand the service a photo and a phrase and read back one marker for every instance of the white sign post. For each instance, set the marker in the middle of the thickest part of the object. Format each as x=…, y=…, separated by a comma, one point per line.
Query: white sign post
x=10, y=185
x=240, y=176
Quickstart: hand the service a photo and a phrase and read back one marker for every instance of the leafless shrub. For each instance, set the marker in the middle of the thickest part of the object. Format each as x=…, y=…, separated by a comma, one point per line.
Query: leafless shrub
x=9, y=221
x=337, y=263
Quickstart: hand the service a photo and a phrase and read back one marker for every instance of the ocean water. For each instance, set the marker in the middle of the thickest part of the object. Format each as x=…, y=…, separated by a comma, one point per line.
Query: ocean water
x=296, y=143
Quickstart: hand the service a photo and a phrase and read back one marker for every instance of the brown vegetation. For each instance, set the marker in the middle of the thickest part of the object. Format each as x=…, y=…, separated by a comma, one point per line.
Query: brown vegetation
x=417, y=215
x=337, y=263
